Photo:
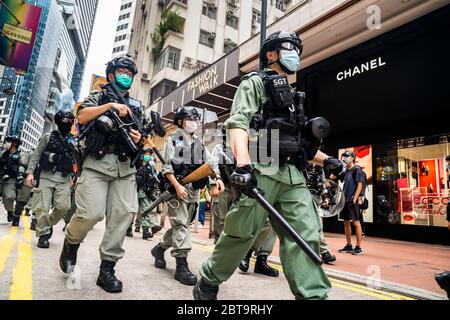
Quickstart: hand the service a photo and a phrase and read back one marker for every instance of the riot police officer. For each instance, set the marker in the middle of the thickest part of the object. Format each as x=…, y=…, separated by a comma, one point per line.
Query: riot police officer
x=107, y=185
x=265, y=101
x=25, y=192
x=12, y=172
x=265, y=241
x=186, y=153
x=56, y=158
x=147, y=182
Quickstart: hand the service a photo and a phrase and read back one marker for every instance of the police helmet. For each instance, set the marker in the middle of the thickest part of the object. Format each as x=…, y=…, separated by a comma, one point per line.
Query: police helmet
x=280, y=40
x=64, y=116
x=13, y=139
x=186, y=112
x=124, y=61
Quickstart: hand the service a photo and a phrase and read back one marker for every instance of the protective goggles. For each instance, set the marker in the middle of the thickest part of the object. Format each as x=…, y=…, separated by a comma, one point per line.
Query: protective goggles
x=290, y=46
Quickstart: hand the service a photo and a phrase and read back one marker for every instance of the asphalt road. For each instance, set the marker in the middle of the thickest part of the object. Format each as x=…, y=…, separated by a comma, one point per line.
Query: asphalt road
x=27, y=272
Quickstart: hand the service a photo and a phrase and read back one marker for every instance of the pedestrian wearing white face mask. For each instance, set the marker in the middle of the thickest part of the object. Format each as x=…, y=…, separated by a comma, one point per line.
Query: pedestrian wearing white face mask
x=184, y=153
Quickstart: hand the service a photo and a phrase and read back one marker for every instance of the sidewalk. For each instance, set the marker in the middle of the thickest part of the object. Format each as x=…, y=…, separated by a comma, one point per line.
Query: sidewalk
x=402, y=265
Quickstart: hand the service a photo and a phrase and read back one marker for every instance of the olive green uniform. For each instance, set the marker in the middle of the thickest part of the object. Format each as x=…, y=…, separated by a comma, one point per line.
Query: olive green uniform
x=150, y=220
x=286, y=190
x=178, y=237
x=264, y=242
x=53, y=190
x=106, y=188
x=8, y=189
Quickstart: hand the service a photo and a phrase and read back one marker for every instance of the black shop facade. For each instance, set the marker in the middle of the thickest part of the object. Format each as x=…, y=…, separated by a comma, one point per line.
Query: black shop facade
x=388, y=100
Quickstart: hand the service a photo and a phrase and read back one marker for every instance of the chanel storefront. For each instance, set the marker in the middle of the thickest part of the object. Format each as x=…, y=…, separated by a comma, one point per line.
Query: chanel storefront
x=389, y=101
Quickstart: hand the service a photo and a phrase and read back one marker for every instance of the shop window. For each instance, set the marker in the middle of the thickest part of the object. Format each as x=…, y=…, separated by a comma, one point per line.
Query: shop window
x=412, y=181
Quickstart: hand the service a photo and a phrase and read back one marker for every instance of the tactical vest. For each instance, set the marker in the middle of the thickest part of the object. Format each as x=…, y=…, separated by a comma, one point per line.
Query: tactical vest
x=99, y=144
x=10, y=164
x=282, y=114
x=188, y=158
x=57, y=156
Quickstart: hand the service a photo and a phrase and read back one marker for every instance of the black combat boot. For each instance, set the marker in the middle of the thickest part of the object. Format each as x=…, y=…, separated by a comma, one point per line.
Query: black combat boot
x=130, y=232
x=328, y=258
x=245, y=263
x=17, y=213
x=183, y=274
x=10, y=216
x=158, y=253
x=203, y=291
x=156, y=229
x=43, y=241
x=262, y=267
x=106, y=279
x=146, y=234
x=443, y=280
x=33, y=224
x=68, y=258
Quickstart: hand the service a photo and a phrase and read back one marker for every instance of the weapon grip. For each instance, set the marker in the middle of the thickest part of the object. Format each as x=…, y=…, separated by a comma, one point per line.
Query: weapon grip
x=286, y=227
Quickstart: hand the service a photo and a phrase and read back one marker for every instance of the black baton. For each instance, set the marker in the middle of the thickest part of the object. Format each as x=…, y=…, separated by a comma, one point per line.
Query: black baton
x=286, y=226
x=164, y=197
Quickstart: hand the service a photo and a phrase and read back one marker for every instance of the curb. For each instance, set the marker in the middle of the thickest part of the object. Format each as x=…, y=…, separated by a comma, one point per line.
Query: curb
x=392, y=287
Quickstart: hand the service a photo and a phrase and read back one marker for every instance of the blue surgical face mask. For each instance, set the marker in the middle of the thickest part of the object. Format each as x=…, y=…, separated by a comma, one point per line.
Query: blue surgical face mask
x=347, y=160
x=290, y=60
x=124, y=81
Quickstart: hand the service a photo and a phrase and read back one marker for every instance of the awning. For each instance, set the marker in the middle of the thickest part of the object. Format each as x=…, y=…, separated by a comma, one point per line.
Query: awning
x=212, y=88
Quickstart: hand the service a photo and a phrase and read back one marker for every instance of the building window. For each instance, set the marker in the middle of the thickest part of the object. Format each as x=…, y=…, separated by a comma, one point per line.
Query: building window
x=169, y=58
x=125, y=6
x=162, y=89
x=256, y=16
x=232, y=21
x=122, y=27
x=279, y=4
x=209, y=10
x=207, y=38
x=124, y=16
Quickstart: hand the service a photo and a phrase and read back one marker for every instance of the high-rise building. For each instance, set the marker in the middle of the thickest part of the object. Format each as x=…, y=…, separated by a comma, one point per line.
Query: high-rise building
x=199, y=33
x=83, y=21
x=32, y=95
x=56, y=65
x=124, y=27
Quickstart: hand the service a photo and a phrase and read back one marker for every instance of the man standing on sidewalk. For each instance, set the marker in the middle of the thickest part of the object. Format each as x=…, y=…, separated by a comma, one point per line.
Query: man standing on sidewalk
x=353, y=187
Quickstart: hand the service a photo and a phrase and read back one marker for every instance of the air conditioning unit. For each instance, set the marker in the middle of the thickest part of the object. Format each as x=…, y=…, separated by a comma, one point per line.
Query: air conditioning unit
x=145, y=76
x=189, y=62
x=212, y=35
x=233, y=3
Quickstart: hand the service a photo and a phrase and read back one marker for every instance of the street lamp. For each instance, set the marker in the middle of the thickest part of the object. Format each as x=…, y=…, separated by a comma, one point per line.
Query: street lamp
x=9, y=91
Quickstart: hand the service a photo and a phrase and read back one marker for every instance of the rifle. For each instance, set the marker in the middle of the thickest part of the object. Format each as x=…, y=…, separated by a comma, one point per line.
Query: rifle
x=258, y=196
x=199, y=174
x=153, y=127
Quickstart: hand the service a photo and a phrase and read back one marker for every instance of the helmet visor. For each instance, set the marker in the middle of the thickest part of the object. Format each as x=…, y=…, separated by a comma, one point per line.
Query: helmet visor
x=290, y=46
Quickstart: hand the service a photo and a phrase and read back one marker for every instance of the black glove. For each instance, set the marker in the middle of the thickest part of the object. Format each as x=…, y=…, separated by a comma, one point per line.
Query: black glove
x=333, y=166
x=19, y=182
x=243, y=178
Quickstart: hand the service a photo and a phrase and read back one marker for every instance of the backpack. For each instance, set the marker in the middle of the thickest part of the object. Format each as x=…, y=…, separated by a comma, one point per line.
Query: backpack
x=365, y=204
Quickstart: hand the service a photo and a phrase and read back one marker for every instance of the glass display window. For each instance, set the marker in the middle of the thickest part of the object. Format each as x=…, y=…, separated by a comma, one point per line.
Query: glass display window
x=412, y=181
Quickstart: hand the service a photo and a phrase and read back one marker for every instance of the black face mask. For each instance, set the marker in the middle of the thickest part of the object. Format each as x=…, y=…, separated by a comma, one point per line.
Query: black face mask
x=65, y=128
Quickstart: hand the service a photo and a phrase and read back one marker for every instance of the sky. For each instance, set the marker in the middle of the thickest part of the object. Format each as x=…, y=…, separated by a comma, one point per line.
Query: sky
x=102, y=41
